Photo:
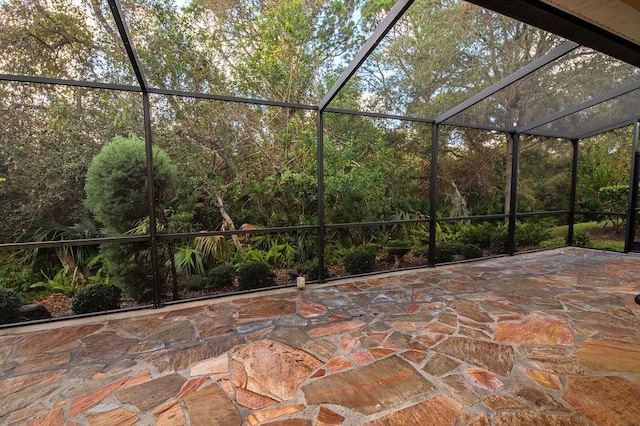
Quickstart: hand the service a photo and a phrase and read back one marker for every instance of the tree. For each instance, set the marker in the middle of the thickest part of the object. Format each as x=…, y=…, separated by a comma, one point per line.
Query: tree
x=117, y=194
x=443, y=52
x=116, y=187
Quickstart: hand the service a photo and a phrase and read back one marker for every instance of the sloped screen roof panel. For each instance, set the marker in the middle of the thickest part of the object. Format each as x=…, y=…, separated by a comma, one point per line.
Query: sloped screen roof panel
x=281, y=51
x=439, y=55
x=65, y=39
x=573, y=79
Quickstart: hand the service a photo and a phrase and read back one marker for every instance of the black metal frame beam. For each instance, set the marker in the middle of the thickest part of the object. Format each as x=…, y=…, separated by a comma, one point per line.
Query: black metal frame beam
x=379, y=115
x=151, y=90
x=556, y=21
x=513, y=204
x=477, y=217
x=320, y=183
x=153, y=229
x=349, y=225
x=543, y=213
x=433, y=195
x=226, y=98
x=574, y=190
x=118, y=16
x=480, y=127
x=71, y=243
x=381, y=30
x=259, y=231
x=555, y=53
x=632, y=206
x=64, y=82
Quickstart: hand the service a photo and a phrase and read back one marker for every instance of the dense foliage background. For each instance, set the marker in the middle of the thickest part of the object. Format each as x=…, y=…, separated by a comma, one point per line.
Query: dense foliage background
x=240, y=163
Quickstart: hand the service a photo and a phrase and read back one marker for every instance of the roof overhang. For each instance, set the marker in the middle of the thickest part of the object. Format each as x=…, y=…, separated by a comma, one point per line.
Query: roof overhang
x=609, y=26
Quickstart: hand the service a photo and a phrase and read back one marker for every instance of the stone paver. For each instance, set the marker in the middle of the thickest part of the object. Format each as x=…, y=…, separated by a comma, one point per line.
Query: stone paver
x=546, y=338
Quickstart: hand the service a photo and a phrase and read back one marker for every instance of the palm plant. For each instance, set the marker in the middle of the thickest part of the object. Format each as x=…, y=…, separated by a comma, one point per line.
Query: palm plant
x=71, y=257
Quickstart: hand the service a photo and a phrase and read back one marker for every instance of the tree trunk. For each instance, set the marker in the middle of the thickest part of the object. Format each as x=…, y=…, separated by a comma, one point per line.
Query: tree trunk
x=172, y=257
x=227, y=221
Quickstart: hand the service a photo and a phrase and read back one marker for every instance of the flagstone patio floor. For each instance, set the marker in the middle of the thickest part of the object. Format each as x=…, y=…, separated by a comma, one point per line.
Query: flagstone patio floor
x=545, y=338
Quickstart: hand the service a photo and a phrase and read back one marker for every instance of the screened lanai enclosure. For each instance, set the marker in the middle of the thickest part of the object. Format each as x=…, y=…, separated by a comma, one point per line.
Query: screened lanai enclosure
x=291, y=138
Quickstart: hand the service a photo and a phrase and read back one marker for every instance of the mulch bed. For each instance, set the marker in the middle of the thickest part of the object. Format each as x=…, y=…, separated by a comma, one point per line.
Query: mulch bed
x=57, y=304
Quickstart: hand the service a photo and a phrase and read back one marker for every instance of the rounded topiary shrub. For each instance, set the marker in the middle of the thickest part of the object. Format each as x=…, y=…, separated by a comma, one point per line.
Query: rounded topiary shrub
x=445, y=252
x=9, y=306
x=471, y=251
x=255, y=275
x=222, y=276
x=116, y=184
x=96, y=298
x=117, y=194
x=359, y=262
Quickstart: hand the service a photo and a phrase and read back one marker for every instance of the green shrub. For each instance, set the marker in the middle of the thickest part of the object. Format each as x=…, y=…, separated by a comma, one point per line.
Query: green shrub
x=499, y=240
x=222, y=276
x=581, y=239
x=614, y=199
x=369, y=248
x=116, y=184
x=255, y=275
x=445, y=252
x=9, y=306
x=116, y=188
x=359, y=261
x=16, y=275
x=532, y=234
x=194, y=282
x=471, y=251
x=96, y=298
x=130, y=268
x=485, y=235
x=310, y=269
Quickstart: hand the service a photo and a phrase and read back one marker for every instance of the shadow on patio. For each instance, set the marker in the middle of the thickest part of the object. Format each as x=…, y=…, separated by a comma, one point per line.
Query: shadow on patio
x=547, y=338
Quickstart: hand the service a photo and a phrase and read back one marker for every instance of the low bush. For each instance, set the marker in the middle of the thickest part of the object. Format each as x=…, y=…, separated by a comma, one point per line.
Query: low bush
x=222, y=276
x=471, y=251
x=17, y=275
x=359, y=261
x=194, y=282
x=255, y=275
x=486, y=236
x=532, y=234
x=499, y=240
x=96, y=298
x=581, y=239
x=445, y=252
x=9, y=306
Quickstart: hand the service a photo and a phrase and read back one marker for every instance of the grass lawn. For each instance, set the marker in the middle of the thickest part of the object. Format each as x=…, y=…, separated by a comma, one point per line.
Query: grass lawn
x=602, y=235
